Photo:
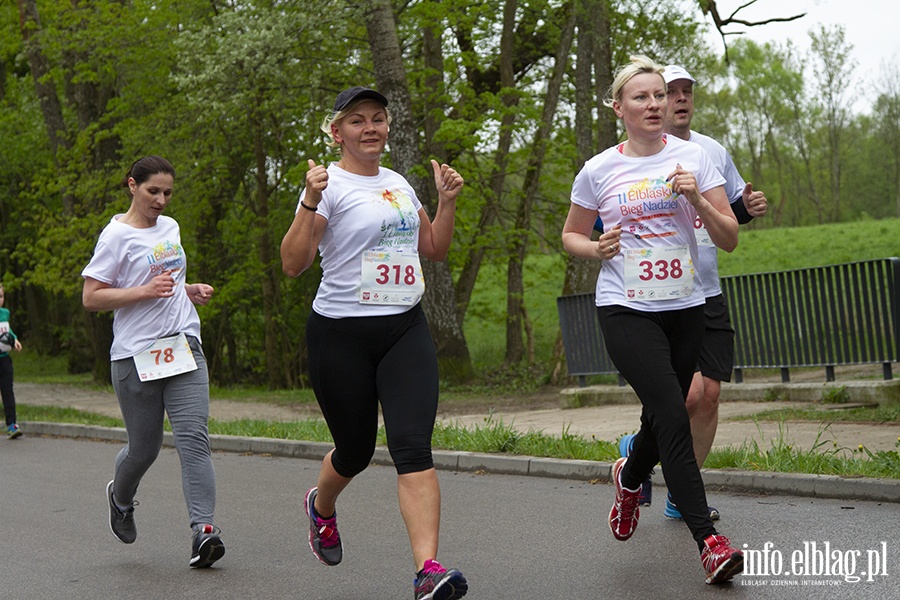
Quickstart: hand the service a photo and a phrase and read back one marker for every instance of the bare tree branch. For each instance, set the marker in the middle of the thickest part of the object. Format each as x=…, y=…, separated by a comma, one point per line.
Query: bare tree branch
x=709, y=8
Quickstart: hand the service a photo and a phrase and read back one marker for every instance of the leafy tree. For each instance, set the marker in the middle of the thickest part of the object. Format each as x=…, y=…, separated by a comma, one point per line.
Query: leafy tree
x=833, y=68
x=886, y=114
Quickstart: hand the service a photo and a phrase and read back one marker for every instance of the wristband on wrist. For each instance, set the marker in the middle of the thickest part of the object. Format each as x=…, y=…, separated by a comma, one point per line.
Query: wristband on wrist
x=307, y=206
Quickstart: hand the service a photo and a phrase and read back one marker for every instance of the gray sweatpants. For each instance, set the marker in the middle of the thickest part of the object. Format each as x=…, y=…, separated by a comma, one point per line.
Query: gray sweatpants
x=185, y=398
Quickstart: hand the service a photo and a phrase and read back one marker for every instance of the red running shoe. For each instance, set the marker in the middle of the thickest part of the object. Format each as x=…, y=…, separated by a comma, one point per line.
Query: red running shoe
x=721, y=561
x=625, y=512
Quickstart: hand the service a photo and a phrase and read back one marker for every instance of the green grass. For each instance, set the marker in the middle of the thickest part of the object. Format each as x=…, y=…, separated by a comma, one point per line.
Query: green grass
x=824, y=458
x=32, y=367
x=485, y=322
x=786, y=248
x=495, y=437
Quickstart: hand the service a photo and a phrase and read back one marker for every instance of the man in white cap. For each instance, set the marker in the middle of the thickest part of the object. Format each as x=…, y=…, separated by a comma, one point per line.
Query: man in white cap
x=717, y=355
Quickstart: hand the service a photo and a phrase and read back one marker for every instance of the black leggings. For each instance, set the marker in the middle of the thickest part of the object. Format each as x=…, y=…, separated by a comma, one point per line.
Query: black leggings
x=657, y=354
x=6, y=389
x=356, y=362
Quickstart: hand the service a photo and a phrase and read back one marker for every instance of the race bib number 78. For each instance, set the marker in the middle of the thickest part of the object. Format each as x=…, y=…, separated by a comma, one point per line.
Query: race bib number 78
x=165, y=357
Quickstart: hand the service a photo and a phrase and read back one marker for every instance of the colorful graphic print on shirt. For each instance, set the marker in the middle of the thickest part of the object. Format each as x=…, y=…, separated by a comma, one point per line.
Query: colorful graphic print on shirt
x=400, y=221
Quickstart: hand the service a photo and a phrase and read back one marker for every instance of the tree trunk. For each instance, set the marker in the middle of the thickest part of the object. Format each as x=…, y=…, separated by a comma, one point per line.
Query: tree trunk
x=593, y=51
x=51, y=109
x=490, y=210
x=515, y=306
x=440, y=299
x=269, y=284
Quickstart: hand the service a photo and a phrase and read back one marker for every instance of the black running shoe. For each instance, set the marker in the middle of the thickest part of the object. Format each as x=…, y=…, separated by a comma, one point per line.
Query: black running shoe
x=121, y=523
x=207, y=547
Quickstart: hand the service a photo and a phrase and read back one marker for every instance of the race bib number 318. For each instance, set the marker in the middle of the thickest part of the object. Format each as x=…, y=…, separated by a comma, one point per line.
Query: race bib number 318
x=391, y=277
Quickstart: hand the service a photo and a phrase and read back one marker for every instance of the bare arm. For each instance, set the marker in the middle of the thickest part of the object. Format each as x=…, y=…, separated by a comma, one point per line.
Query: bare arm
x=576, y=235
x=97, y=295
x=435, y=237
x=298, y=248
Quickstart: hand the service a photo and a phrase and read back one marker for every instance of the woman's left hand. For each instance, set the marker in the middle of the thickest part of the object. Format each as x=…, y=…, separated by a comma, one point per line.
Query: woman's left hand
x=199, y=293
x=447, y=180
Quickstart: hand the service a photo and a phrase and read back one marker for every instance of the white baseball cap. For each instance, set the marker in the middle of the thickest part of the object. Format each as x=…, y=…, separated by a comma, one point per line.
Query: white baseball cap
x=673, y=72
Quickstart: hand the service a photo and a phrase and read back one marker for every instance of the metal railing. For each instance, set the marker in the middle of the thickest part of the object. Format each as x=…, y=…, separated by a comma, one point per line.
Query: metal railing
x=816, y=317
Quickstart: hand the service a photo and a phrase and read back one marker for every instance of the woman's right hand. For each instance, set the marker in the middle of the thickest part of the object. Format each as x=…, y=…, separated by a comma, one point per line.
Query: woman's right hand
x=609, y=243
x=163, y=285
x=316, y=182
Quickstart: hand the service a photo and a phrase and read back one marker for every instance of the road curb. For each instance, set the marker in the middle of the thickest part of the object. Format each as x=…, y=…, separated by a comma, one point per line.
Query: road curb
x=764, y=482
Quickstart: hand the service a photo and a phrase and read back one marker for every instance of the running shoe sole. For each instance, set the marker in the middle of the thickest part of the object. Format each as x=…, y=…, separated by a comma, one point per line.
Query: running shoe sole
x=211, y=549
x=450, y=588
x=727, y=570
x=625, y=444
x=671, y=511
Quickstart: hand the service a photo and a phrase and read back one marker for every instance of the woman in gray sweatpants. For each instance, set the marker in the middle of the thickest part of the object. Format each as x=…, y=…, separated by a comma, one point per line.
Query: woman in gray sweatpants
x=157, y=362
x=144, y=404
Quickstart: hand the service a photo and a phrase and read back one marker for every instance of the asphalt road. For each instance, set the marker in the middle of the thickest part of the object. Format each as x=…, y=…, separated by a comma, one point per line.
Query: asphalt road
x=514, y=537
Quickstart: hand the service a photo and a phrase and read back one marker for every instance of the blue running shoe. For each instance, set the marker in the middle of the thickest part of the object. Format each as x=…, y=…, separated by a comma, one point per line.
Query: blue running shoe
x=671, y=510
x=626, y=445
x=673, y=513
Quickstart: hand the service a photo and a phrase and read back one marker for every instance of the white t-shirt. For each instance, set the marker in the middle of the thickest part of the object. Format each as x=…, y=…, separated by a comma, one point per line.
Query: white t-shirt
x=708, y=258
x=127, y=257
x=364, y=213
x=653, y=271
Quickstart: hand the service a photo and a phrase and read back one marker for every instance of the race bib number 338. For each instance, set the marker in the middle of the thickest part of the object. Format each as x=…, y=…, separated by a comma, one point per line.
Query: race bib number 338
x=391, y=277
x=658, y=273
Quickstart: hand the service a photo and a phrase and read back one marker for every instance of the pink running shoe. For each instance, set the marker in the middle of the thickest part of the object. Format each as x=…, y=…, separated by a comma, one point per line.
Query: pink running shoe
x=625, y=512
x=324, y=539
x=434, y=582
x=721, y=561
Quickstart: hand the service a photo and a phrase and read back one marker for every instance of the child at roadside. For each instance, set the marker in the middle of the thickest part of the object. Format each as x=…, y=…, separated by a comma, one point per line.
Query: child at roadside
x=6, y=370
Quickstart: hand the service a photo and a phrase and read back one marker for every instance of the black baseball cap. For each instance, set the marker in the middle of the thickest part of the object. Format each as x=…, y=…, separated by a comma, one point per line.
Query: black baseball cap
x=357, y=93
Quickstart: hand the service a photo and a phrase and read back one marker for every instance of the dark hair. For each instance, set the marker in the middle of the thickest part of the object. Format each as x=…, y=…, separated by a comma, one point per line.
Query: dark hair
x=143, y=168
